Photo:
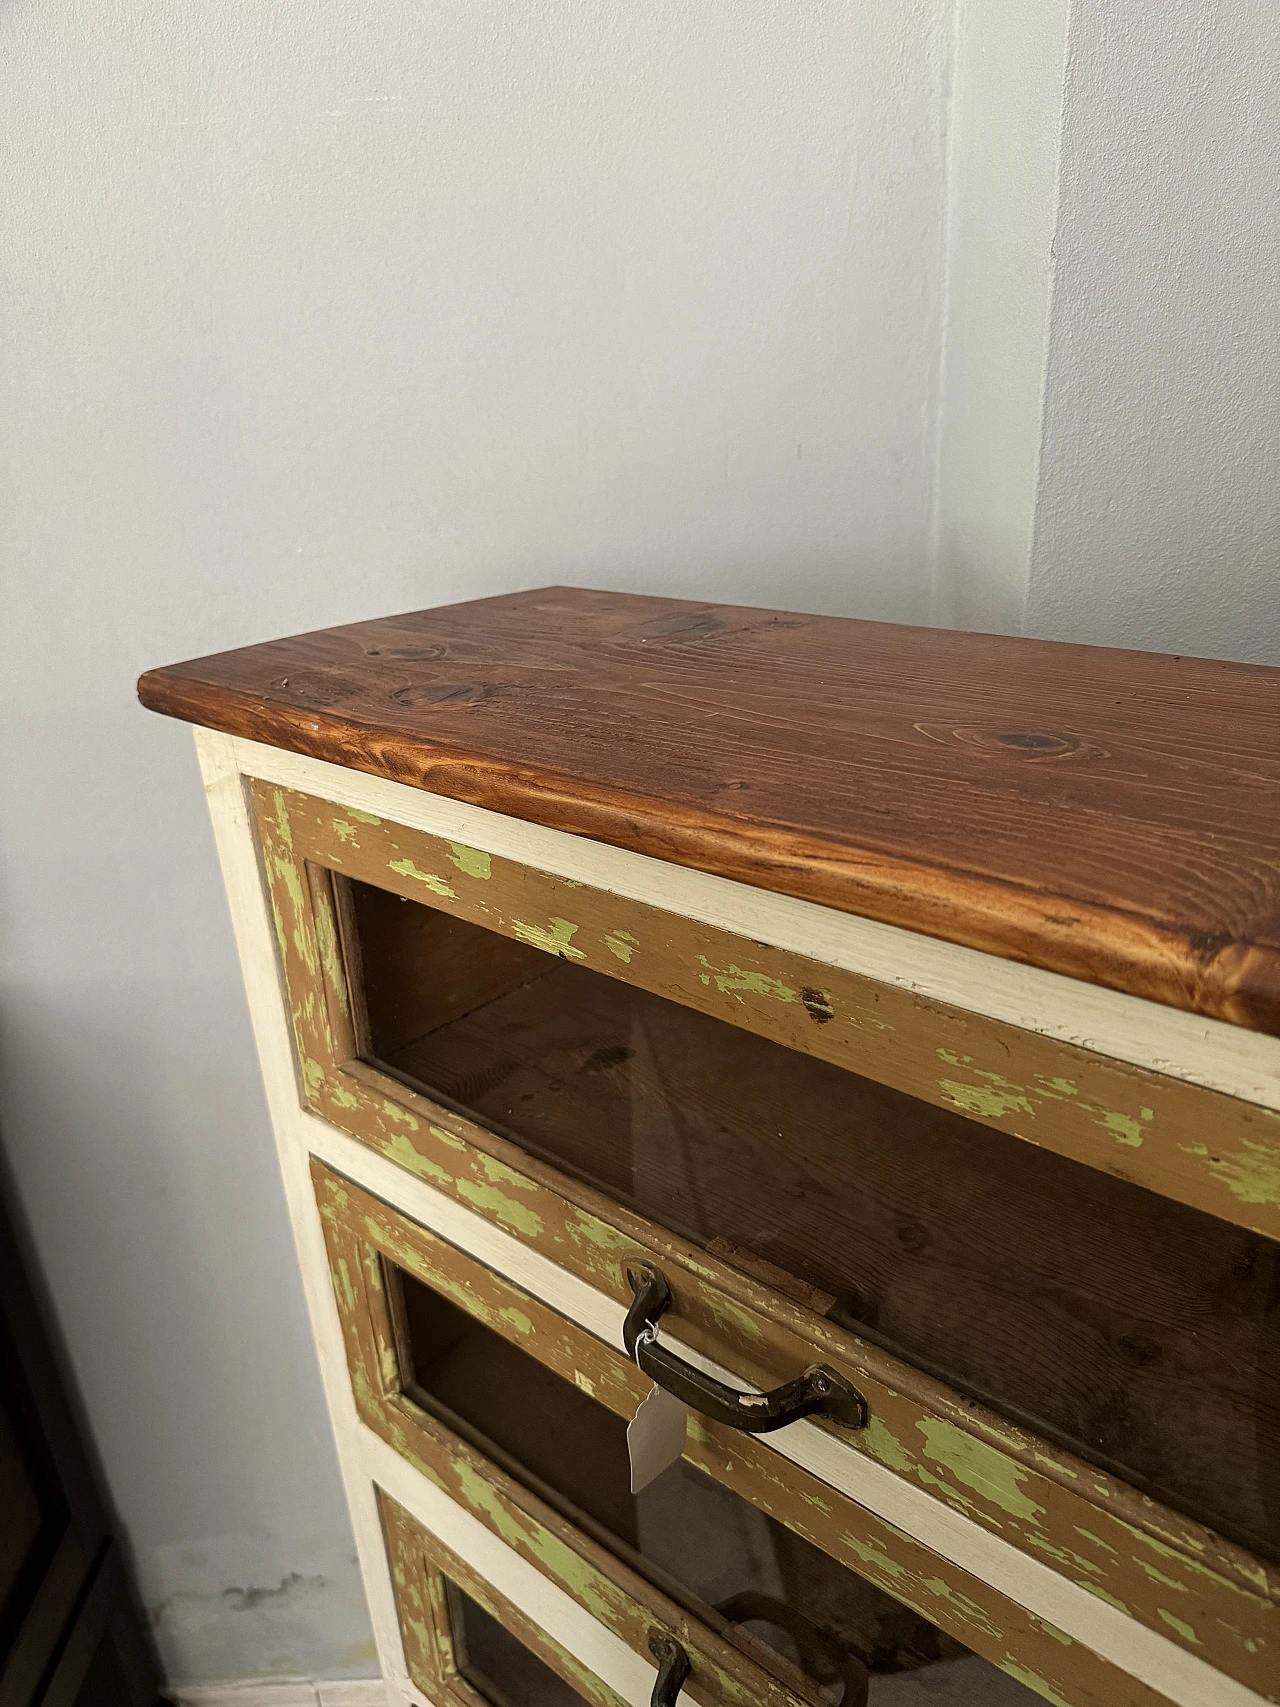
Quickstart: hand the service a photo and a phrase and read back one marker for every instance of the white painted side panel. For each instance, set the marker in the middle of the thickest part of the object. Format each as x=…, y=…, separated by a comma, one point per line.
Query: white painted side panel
x=255, y=940
x=1127, y=1028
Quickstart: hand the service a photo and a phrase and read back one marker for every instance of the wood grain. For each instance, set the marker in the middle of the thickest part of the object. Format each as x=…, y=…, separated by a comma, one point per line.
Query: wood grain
x=1106, y=814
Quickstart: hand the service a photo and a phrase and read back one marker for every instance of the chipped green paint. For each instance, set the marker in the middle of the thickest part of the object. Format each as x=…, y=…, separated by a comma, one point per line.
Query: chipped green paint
x=346, y=832
x=282, y=818
x=470, y=861
x=330, y=954
x=984, y=1100
x=344, y=1283
x=597, y=1233
x=446, y=1138
x=1126, y=1129
x=1058, y=1087
x=733, y=977
x=401, y=1150
x=886, y=1448
x=968, y=1609
x=553, y=938
x=1032, y=1680
x=511, y=1214
x=584, y=1382
x=989, y=1473
x=1053, y=1632
x=361, y=817
x=437, y=885
x=516, y=1319
x=1100, y=1593
x=1158, y=1576
x=728, y=1315
x=1252, y=1174
x=501, y=1174
x=1097, y=1541
x=1064, y=1555
x=621, y=945
x=344, y=1098
x=586, y=1584
x=874, y=1555
x=1181, y=1626
x=312, y=1075
x=400, y=1116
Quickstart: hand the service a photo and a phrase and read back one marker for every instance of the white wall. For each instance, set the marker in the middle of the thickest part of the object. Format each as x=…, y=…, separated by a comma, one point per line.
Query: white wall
x=322, y=311
x=1158, y=510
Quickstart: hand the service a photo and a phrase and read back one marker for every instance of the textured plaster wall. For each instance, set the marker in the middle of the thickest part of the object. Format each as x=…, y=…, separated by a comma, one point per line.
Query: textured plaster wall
x=1158, y=510
x=317, y=311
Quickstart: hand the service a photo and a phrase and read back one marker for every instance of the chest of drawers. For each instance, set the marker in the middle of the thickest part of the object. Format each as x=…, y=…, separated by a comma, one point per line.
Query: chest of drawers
x=867, y=1035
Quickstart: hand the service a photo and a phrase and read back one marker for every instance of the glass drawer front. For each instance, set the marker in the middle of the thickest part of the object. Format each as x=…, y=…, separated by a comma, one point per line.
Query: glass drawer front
x=1135, y=1330
x=819, y=1628
x=497, y=1664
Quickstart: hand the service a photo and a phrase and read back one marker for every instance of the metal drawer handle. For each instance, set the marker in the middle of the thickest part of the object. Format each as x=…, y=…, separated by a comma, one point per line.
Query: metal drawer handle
x=673, y=1668
x=819, y=1391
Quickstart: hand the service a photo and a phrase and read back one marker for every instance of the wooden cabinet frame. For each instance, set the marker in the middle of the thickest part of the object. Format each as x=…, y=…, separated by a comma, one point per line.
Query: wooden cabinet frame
x=364, y=1234
x=1122, y=1547
x=442, y=1167
x=422, y=1567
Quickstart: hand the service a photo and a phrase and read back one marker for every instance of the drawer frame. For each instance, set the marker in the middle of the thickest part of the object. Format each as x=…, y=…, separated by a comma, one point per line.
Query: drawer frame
x=362, y=1233
x=230, y=766
x=1172, y=1574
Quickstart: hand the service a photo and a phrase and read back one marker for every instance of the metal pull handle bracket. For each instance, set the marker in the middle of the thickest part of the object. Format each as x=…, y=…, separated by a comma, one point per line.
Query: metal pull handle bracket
x=819, y=1391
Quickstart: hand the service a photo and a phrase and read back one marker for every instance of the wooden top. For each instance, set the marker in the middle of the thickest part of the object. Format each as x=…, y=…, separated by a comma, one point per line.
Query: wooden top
x=1111, y=815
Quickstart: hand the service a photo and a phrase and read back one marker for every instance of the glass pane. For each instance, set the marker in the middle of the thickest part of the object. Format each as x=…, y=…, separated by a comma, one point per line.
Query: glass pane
x=498, y=1664
x=1136, y=1331
x=817, y=1626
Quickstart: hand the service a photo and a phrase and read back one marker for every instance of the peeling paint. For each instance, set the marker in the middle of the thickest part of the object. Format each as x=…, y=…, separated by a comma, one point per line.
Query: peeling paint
x=437, y=885
x=1126, y=1129
x=346, y=832
x=734, y=977
x=1252, y=1174
x=446, y=1138
x=984, y=1100
x=505, y=1209
x=1181, y=1626
x=884, y=1446
x=400, y=1116
x=471, y=862
x=979, y=1466
x=621, y=945
x=401, y=1150
x=555, y=940
x=1020, y=1674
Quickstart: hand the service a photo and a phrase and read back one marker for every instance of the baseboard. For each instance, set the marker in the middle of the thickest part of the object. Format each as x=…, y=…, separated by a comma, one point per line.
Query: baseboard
x=284, y=1692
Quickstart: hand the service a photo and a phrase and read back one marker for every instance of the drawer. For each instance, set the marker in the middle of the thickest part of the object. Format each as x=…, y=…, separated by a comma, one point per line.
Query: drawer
x=828, y=1170
x=518, y=1417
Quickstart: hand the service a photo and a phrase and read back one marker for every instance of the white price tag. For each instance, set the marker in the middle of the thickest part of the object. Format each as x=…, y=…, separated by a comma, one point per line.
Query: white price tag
x=655, y=1437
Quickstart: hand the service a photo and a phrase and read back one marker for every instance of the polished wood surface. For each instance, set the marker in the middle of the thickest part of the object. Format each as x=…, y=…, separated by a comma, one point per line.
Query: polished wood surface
x=1110, y=815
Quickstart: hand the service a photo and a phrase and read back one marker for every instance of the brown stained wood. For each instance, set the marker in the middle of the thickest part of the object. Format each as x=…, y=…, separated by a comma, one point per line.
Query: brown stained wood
x=1223, y=1621
x=1210, y=1151
x=1107, y=814
x=959, y=1603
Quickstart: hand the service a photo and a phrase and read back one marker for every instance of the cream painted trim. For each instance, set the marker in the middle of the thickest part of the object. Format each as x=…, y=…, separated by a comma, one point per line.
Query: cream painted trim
x=630, y=1674
x=255, y=941
x=1028, y=1582
x=1186, y=1046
